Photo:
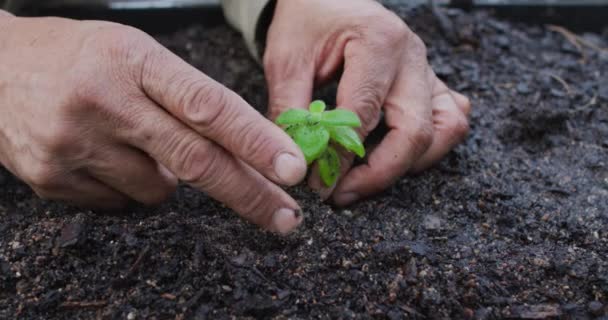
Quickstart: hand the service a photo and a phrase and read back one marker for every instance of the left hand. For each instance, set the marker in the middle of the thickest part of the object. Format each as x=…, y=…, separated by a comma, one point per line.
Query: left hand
x=385, y=69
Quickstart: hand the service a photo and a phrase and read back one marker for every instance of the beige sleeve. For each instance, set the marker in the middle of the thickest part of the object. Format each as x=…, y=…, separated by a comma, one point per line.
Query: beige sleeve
x=244, y=16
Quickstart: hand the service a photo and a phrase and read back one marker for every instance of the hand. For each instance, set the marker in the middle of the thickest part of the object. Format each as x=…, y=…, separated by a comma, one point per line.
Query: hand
x=98, y=113
x=385, y=69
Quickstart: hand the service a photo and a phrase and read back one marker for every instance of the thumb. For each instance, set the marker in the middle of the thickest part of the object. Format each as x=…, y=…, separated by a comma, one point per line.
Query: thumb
x=290, y=83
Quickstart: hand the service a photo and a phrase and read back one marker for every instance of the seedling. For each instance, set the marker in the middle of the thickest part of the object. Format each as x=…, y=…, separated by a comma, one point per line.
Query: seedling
x=315, y=130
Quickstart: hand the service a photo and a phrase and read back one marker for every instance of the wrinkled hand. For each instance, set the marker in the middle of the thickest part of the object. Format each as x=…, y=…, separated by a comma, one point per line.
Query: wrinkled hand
x=98, y=113
x=385, y=68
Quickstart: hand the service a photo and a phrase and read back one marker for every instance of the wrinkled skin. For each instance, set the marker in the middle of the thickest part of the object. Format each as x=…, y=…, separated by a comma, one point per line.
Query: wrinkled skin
x=384, y=69
x=97, y=114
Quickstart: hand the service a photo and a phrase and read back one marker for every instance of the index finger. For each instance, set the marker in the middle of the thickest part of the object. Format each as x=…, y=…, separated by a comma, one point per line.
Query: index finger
x=208, y=167
x=221, y=115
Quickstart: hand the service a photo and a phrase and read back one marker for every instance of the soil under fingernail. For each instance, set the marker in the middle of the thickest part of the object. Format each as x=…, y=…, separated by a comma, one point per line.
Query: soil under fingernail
x=298, y=213
x=285, y=220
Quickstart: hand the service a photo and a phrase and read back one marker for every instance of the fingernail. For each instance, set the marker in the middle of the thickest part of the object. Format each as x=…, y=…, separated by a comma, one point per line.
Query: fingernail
x=289, y=169
x=286, y=220
x=343, y=199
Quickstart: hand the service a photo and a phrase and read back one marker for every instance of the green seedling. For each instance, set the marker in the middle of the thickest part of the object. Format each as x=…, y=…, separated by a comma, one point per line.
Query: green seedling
x=316, y=130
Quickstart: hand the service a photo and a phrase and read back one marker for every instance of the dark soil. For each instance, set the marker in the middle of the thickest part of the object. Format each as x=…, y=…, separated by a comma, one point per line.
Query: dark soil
x=512, y=224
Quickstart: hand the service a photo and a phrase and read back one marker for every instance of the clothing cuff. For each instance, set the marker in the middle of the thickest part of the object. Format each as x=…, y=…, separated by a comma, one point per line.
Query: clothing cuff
x=252, y=19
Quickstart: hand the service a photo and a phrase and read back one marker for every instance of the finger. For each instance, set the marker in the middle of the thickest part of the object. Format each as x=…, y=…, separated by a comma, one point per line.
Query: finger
x=290, y=83
x=363, y=87
x=221, y=115
x=365, y=82
x=462, y=102
x=450, y=126
x=213, y=170
x=83, y=190
x=138, y=176
x=408, y=117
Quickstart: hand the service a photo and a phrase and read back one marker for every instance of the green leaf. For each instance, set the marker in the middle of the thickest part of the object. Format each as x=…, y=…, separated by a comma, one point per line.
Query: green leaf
x=340, y=117
x=329, y=166
x=291, y=129
x=312, y=140
x=317, y=106
x=348, y=138
x=293, y=116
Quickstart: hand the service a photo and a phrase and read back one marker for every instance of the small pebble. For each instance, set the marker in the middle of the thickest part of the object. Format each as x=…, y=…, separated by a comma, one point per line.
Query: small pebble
x=347, y=213
x=71, y=234
x=523, y=88
x=431, y=222
x=595, y=307
x=15, y=245
x=503, y=42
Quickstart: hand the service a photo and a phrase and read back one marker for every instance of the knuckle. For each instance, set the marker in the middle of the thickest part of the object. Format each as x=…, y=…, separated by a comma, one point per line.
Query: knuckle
x=255, y=142
x=89, y=85
x=199, y=163
x=124, y=49
x=394, y=31
x=59, y=139
x=422, y=137
x=370, y=101
x=370, y=117
x=42, y=176
x=416, y=46
x=129, y=117
x=203, y=103
x=386, y=30
x=121, y=41
x=115, y=58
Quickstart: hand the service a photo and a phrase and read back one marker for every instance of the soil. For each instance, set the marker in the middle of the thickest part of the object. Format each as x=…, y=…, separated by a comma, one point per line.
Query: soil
x=512, y=224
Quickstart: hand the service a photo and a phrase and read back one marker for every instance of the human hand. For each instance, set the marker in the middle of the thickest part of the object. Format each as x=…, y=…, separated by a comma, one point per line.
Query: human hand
x=385, y=68
x=97, y=113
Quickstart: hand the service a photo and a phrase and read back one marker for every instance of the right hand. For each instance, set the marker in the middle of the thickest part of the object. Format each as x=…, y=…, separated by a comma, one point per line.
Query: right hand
x=97, y=113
